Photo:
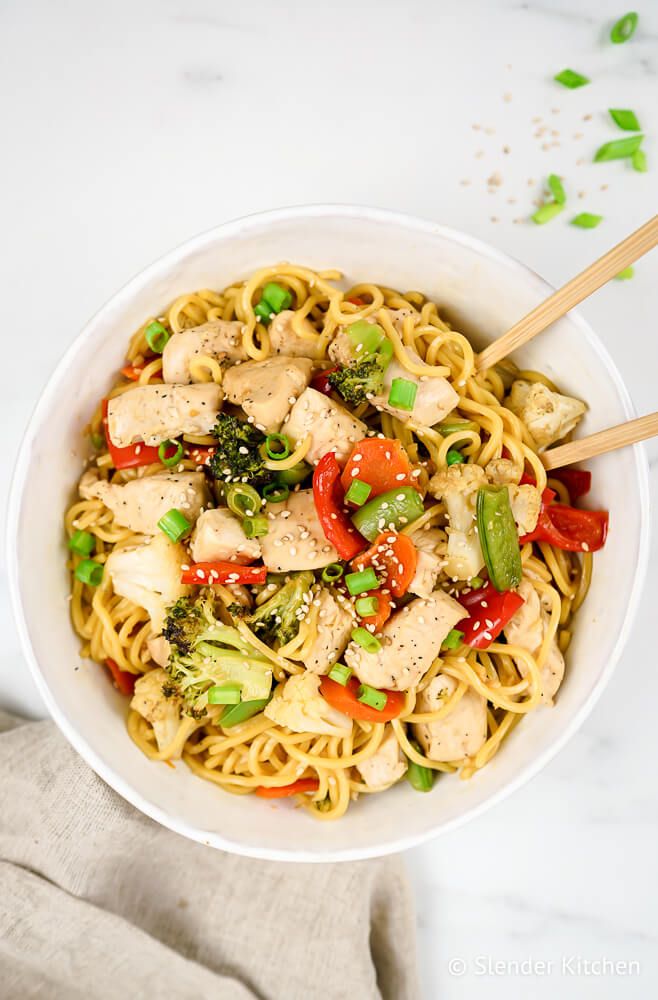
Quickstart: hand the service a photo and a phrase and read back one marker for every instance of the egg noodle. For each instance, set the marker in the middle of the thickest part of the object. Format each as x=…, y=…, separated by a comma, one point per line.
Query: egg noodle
x=259, y=752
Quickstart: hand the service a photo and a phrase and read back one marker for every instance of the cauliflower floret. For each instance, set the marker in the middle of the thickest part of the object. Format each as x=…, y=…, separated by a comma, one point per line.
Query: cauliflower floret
x=163, y=713
x=461, y=732
x=386, y=766
x=285, y=340
x=428, y=561
x=548, y=415
x=525, y=502
x=501, y=471
x=527, y=629
x=267, y=389
x=298, y=705
x=334, y=626
x=159, y=649
x=149, y=576
x=458, y=486
x=219, y=537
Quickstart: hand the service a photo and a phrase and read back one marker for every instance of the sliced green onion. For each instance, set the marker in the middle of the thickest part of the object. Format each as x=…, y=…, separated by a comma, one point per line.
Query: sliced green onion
x=235, y=714
x=340, y=673
x=358, y=492
x=556, y=188
x=277, y=297
x=242, y=500
x=547, y=212
x=82, y=543
x=224, y=694
x=290, y=477
x=156, y=337
x=639, y=161
x=454, y=457
x=625, y=119
x=255, y=527
x=277, y=447
x=358, y=583
x=332, y=572
x=586, y=220
x=369, y=695
x=174, y=524
x=571, y=79
x=476, y=582
x=366, y=606
x=403, y=394
x=89, y=571
x=626, y=274
x=448, y=427
x=264, y=312
x=164, y=447
x=618, y=149
x=275, y=493
x=97, y=440
x=420, y=778
x=624, y=28
x=453, y=640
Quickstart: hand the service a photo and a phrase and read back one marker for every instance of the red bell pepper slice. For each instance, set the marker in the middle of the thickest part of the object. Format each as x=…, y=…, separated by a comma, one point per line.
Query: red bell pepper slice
x=396, y=559
x=345, y=699
x=489, y=612
x=284, y=791
x=132, y=455
x=329, y=500
x=356, y=300
x=123, y=680
x=382, y=463
x=202, y=455
x=321, y=383
x=577, y=481
x=206, y=573
x=569, y=528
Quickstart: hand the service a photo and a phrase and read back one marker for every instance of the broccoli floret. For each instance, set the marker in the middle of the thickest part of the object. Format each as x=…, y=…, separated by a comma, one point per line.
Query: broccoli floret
x=238, y=456
x=205, y=652
x=277, y=619
x=357, y=381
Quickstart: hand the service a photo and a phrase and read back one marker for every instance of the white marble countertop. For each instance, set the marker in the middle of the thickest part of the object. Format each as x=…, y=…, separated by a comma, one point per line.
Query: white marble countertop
x=128, y=127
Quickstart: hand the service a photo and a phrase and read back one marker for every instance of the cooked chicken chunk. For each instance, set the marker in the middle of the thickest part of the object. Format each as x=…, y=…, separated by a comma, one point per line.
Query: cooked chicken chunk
x=88, y=481
x=155, y=413
x=150, y=702
x=220, y=339
x=219, y=536
x=435, y=397
x=267, y=389
x=548, y=415
x=428, y=561
x=386, y=766
x=332, y=428
x=458, y=486
x=159, y=649
x=525, y=502
x=334, y=625
x=149, y=576
x=298, y=705
x=410, y=642
x=459, y=734
x=140, y=503
x=341, y=348
x=295, y=539
x=527, y=629
x=285, y=340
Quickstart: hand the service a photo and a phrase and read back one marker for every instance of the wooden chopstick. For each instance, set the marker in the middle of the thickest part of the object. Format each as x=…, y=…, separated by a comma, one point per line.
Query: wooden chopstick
x=556, y=305
x=603, y=441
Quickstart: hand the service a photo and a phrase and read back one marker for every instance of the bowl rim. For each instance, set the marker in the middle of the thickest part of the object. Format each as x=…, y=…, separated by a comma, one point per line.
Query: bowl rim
x=124, y=293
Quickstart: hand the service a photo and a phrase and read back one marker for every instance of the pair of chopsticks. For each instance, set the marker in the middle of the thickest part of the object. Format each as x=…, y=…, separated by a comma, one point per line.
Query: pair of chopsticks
x=556, y=305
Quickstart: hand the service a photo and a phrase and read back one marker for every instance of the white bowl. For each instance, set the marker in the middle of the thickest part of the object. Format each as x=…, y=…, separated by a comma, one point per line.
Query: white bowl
x=480, y=287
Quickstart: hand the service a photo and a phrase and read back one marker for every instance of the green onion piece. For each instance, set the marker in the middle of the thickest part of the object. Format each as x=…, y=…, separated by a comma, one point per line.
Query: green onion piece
x=82, y=543
x=454, y=457
x=586, y=220
x=556, y=188
x=340, y=673
x=624, y=28
x=420, y=778
x=242, y=500
x=235, y=714
x=547, y=212
x=369, y=695
x=626, y=274
x=498, y=536
x=366, y=606
x=366, y=337
x=156, y=337
x=277, y=297
x=97, y=440
x=174, y=524
x=290, y=477
x=224, y=694
x=618, y=149
x=449, y=427
x=358, y=492
x=89, y=571
x=332, y=572
x=625, y=119
x=453, y=640
x=264, y=312
x=388, y=512
x=255, y=527
x=360, y=582
x=166, y=446
x=402, y=394
x=274, y=493
x=571, y=79
x=277, y=447
x=639, y=161
x=476, y=582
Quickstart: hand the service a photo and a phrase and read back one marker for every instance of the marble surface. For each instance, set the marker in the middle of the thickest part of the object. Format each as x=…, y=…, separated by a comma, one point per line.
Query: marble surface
x=128, y=127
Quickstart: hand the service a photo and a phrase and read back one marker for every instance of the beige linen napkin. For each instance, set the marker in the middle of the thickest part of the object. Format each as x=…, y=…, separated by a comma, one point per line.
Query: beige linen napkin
x=99, y=902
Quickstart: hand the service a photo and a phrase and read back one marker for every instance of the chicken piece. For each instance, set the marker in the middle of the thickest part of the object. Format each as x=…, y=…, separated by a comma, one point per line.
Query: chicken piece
x=525, y=502
x=462, y=732
x=140, y=503
x=332, y=427
x=410, y=642
x=548, y=415
x=220, y=339
x=267, y=389
x=341, y=349
x=334, y=625
x=502, y=471
x=88, y=481
x=386, y=766
x=527, y=629
x=219, y=537
x=298, y=705
x=458, y=486
x=428, y=561
x=435, y=397
x=295, y=539
x=285, y=340
x=150, y=702
x=159, y=649
x=155, y=413
x=149, y=576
